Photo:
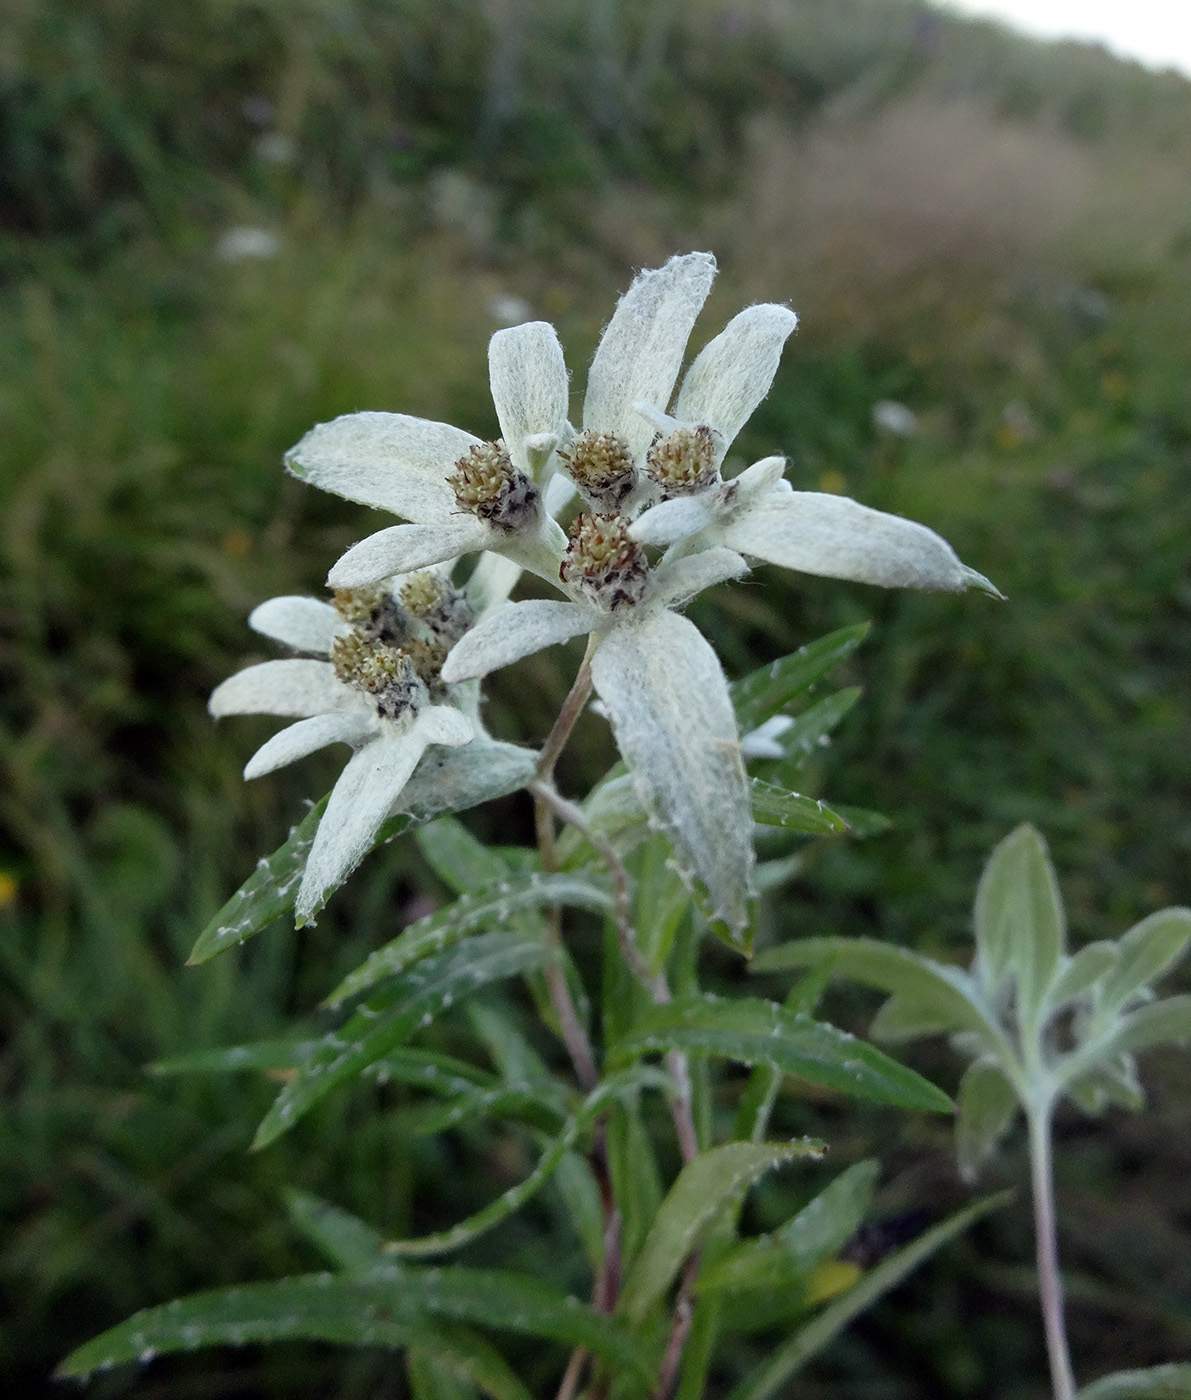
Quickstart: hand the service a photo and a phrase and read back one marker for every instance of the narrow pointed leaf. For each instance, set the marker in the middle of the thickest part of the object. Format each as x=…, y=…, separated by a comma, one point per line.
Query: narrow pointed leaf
x=809, y=1340
x=1161, y=1023
x=459, y=859
x=1020, y=925
x=393, y=1014
x=346, y=1241
x=1079, y=974
x=769, y=689
x=394, y=1307
x=762, y=1032
x=774, y=806
x=987, y=1105
x=811, y=729
x=1156, y=1383
x=267, y=894
x=490, y=907
x=784, y=1258
x=702, y=1188
x=894, y=970
x=1145, y=953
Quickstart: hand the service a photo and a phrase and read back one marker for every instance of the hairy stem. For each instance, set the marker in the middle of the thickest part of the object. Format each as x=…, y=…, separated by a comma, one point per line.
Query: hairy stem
x=1050, y=1285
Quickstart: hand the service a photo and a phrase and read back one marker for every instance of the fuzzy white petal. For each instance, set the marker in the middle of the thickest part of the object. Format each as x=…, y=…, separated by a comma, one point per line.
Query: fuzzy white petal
x=306, y=737
x=296, y=688
x=401, y=549
x=817, y=533
x=360, y=801
x=388, y=460
x=306, y=624
x=529, y=387
x=641, y=351
x=675, y=582
x=669, y=704
x=733, y=372
x=559, y=493
x=514, y=631
x=443, y=724
x=674, y=520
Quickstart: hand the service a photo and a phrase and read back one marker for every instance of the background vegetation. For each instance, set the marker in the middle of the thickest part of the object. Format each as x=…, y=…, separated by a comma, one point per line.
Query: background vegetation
x=223, y=222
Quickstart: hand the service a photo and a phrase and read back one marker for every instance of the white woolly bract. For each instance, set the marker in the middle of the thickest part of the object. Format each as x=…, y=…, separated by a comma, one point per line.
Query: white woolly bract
x=295, y=688
x=668, y=701
x=641, y=351
x=733, y=372
x=528, y=376
x=514, y=631
x=307, y=737
x=817, y=533
x=389, y=460
x=403, y=549
x=306, y=624
x=675, y=583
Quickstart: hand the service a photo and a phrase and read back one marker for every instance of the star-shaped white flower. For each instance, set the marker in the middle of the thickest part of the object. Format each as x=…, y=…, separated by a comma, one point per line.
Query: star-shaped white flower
x=459, y=494
x=368, y=697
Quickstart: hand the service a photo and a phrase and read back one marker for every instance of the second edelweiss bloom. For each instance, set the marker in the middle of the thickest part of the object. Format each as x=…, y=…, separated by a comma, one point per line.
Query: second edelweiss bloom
x=378, y=690
x=459, y=495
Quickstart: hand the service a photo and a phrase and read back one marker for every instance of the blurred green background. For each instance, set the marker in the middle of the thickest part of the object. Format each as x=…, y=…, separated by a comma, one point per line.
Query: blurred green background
x=223, y=222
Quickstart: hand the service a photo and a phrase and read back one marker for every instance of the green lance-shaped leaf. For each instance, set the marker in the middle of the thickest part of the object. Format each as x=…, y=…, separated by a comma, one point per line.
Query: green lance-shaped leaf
x=267, y=894
x=395, y=1307
x=540, y=1105
x=825, y=1326
x=774, y=806
x=1148, y=950
x=1166, y=1022
x=346, y=1241
x=516, y=1196
x=703, y=1186
x=987, y=1103
x=1079, y=974
x=1171, y=1382
x=394, y=1013
x=771, y=688
x=445, y=780
x=956, y=1001
x=1020, y=925
x=754, y=1031
x=783, y=1259
x=494, y=906
x=459, y=859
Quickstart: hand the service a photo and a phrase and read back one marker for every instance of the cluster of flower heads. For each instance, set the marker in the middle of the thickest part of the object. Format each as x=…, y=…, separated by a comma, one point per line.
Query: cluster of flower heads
x=655, y=523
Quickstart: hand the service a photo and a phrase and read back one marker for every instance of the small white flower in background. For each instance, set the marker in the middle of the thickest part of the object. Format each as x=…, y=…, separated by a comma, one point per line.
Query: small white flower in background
x=379, y=691
x=245, y=243
x=895, y=418
x=509, y=310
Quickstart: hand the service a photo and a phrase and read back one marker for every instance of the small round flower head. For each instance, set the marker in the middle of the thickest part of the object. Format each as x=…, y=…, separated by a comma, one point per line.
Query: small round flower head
x=682, y=462
x=373, y=612
x=601, y=466
x=386, y=673
x=603, y=562
x=487, y=484
x=434, y=601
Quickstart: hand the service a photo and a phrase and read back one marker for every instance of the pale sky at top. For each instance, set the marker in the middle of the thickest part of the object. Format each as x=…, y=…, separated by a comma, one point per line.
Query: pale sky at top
x=1155, y=32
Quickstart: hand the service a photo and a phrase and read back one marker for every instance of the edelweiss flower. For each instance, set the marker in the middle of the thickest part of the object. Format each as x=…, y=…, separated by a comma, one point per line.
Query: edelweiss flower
x=376, y=691
x=459, y=494
x=653, y=478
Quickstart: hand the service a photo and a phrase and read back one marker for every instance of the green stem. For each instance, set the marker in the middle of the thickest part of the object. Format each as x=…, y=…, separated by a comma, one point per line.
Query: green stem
x=1050, y=1285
